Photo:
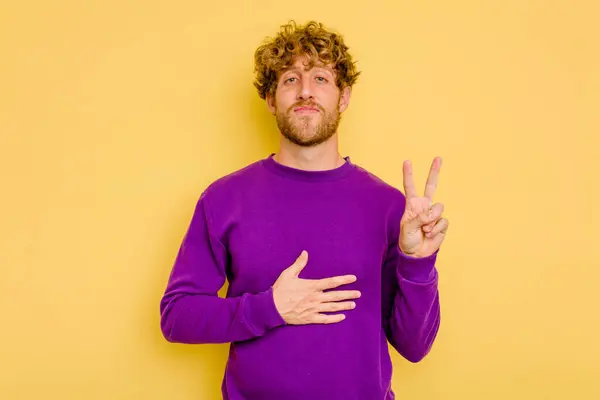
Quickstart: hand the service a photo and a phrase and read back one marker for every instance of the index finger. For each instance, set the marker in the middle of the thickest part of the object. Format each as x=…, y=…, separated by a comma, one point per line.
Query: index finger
x=333, y=282
x=409, y=182
x=432, y=179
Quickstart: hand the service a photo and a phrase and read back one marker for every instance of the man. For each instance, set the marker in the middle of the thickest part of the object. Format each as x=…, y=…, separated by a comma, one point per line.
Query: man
x=326, y=263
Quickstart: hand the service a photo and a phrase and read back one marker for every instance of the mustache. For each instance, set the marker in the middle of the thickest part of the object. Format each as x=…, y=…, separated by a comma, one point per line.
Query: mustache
x=307, y=104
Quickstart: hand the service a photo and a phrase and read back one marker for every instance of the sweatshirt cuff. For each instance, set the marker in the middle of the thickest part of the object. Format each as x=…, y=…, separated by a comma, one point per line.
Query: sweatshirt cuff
x=418, y=269
x=261, y=314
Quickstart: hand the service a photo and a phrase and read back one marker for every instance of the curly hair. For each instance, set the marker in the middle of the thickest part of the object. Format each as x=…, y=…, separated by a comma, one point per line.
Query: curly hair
x=312, y=40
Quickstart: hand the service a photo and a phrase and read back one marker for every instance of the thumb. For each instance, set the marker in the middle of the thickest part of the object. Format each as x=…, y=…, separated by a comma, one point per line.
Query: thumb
x=299, y=264
x=419, y=216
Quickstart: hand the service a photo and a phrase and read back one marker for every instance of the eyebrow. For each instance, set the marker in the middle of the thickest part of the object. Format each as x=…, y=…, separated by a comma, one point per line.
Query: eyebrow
x=319, y=66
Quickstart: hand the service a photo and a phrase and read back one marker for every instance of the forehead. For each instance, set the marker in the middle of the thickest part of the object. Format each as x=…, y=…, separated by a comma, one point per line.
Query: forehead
x=303, y=63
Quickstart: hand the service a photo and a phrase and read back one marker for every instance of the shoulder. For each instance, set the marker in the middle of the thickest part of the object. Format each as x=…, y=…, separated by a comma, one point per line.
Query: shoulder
x=233, y=183
x=222, y=199
x=385, y=199
x=381, y=190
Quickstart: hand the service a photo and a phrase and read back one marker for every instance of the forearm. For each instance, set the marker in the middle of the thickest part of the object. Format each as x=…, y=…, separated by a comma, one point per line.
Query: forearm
x=200, y=318
x=191, y=310
x=414, y=318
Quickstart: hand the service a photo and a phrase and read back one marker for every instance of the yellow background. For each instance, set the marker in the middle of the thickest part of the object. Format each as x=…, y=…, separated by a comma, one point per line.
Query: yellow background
x=115, y=115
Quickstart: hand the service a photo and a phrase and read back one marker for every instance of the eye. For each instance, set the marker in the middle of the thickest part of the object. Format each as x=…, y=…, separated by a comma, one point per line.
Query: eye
x=321, y=79
x=289, y=79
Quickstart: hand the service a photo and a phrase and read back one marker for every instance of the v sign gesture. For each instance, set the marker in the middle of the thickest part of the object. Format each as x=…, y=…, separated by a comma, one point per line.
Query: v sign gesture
x=422, y=228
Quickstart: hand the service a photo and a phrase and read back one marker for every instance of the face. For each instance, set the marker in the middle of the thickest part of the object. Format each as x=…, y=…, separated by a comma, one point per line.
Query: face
x=308, y=104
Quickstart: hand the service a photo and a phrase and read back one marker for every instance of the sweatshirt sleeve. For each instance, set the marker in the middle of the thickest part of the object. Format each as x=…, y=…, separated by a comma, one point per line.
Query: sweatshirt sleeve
x=411, y=306
x=191, y=311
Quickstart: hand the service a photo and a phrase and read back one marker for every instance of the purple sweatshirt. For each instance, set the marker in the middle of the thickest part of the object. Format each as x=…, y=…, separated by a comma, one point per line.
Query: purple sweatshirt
x=252, y=224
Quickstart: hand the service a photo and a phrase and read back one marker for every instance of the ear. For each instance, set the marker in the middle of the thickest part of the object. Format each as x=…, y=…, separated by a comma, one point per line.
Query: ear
x=270, y=99
x=345, y=98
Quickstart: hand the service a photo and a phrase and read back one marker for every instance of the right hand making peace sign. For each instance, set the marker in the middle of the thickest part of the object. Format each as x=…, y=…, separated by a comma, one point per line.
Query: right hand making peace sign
x=422, y=228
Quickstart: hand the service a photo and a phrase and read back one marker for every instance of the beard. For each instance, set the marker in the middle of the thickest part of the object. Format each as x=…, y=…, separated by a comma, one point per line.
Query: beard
x=308, y=130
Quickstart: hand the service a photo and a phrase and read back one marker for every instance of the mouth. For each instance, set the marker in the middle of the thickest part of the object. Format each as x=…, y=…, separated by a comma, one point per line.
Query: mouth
x=306, y=109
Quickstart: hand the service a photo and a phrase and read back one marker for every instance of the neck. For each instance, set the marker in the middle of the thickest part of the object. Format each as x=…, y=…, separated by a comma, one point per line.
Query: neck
x=324, y=156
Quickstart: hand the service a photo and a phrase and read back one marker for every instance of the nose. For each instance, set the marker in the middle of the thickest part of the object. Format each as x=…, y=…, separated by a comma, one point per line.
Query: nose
x=306, y=90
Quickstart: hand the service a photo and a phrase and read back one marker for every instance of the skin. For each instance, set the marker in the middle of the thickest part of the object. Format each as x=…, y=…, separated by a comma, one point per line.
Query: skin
x=307, y=105
x=309, y=138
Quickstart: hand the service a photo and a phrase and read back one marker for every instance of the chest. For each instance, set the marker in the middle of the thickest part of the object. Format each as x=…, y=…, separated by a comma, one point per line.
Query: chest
x=347, y=238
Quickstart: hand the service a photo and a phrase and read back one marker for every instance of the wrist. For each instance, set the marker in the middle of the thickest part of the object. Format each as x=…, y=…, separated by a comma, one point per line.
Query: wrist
x=418, y=268
x=264, y=309
x=278, y=304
